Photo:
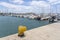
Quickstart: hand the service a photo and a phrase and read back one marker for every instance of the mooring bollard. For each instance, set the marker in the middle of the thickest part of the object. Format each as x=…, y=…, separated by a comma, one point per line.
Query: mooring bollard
x=21, y=30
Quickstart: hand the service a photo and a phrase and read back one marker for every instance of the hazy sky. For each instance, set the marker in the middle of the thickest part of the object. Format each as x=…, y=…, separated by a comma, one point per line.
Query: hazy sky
x=36, y=6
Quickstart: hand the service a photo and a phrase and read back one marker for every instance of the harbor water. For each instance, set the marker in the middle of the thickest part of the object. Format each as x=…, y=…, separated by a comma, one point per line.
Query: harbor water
x=9, y=25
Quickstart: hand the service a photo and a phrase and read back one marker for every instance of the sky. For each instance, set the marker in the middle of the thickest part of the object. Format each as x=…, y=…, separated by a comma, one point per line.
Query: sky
x=26, y=6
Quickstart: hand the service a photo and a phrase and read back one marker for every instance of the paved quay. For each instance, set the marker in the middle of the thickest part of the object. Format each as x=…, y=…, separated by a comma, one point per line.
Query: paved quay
x=48, y=32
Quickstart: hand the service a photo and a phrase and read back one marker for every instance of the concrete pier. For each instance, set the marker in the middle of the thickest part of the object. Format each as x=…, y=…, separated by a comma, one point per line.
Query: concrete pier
x=48, y=32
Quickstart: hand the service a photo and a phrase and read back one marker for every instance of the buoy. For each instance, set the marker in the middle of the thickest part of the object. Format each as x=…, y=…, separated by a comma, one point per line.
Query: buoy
x=21, y=30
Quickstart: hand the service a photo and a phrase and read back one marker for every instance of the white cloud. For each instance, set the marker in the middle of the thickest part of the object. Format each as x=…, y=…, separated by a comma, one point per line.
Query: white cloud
x=17, y=1
x=51, y=1
x=18, y=8
x=8, y=5
x=40, y=3
x=56, y=2
x=34, y=6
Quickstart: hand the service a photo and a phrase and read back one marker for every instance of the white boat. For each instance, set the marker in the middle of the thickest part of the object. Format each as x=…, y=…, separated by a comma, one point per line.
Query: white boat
x=55, y=20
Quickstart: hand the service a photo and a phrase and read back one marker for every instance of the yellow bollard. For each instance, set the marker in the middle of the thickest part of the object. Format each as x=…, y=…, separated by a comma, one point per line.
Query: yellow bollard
x=21, y=30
